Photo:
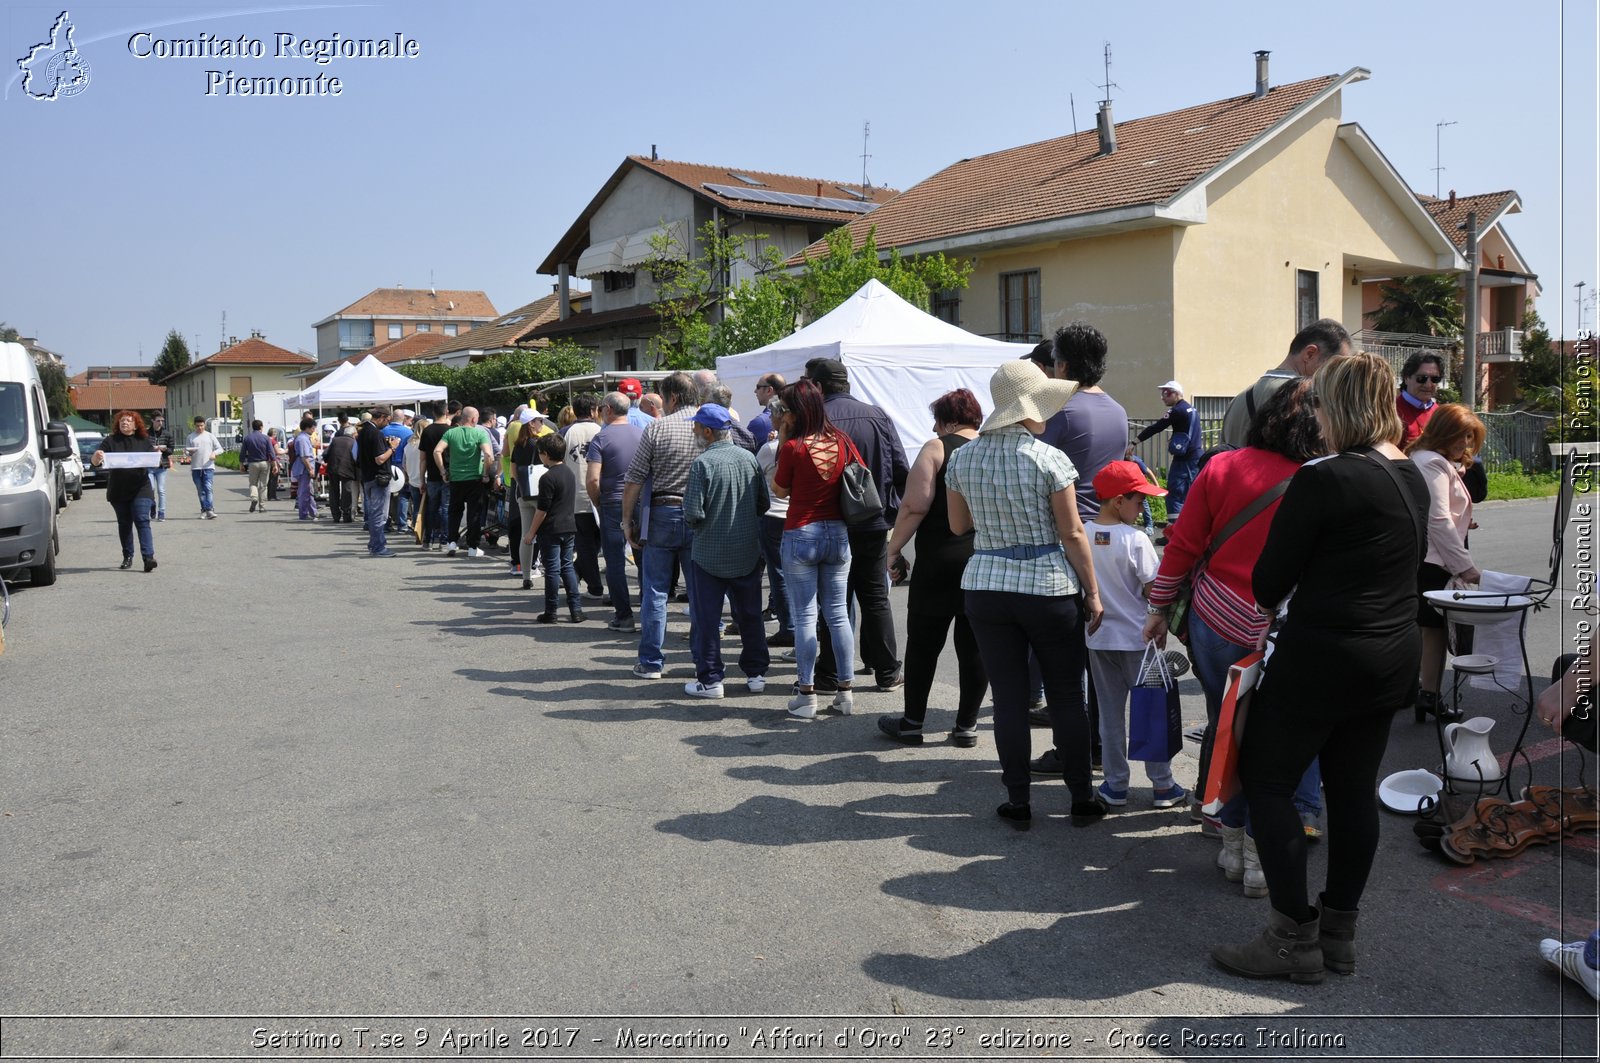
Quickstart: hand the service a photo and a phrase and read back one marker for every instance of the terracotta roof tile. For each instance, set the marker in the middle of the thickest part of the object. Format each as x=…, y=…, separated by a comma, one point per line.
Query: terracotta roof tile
x=1157, y=157
x=1489, y=205
x=393, y=302
x=253, y=351
x=512, y=329
x=405, y=349
x=118, y=395
x=579, y=324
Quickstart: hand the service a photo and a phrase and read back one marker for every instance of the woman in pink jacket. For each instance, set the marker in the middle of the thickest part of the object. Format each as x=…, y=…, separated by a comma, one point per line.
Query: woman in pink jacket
x=1442, y=453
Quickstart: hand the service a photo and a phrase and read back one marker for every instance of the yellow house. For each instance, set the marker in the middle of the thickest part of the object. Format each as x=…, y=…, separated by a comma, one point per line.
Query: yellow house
x=201, y=389
x=1198, y=241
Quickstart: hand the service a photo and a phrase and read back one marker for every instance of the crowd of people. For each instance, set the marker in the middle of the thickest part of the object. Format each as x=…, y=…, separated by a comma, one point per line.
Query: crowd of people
x=1333, y=499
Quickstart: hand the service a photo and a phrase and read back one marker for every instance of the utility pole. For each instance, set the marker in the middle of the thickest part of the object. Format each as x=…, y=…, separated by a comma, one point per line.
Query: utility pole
x=1438, y=167
x=1581, y=285
x=1469, y=338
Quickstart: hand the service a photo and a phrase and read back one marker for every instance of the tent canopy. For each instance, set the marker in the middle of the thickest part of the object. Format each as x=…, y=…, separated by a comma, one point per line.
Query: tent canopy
x=899, y=358
x=83, y=424
x=367, y=381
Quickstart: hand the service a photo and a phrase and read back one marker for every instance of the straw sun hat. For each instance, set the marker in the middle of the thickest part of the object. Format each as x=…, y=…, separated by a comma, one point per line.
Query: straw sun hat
x=1022, y=392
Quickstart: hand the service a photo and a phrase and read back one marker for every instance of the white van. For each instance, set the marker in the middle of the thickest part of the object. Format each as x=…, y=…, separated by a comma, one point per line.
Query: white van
x=31, y=449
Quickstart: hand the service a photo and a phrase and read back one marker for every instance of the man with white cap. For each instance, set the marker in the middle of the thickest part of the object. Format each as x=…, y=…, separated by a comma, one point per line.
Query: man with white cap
x=1184, y=448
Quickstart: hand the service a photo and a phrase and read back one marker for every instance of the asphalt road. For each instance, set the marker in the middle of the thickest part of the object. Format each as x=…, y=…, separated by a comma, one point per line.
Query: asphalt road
x=282, y=783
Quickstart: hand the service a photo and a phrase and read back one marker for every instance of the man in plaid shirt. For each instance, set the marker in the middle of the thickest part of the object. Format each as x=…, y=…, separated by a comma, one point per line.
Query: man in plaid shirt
x=667, y=449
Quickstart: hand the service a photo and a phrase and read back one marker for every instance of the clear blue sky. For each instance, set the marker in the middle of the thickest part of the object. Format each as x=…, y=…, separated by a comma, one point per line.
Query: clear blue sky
x=141, y=204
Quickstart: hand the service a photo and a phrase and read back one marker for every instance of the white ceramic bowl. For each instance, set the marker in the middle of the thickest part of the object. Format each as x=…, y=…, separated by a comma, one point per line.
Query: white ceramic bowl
x=1403, y=791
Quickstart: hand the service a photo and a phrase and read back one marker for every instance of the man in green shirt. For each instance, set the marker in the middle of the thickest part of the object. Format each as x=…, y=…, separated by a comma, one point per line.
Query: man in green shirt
x=467, y=455
x=723, y=503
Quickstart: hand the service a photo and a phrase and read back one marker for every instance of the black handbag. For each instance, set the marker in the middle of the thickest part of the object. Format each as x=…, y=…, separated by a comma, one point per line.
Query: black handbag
x=858, y=495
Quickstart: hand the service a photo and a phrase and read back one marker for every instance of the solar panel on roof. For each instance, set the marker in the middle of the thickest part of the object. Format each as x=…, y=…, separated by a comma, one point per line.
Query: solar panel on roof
x=852, y=193
x=792, y=199
x=746, y=178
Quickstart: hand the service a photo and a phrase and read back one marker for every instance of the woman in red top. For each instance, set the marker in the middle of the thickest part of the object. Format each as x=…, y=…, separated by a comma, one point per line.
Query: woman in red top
x=1224, y=623
x=812, y=455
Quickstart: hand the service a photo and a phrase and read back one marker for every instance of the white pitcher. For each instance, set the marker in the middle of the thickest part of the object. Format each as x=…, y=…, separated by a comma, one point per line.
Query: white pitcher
x=1470, y=759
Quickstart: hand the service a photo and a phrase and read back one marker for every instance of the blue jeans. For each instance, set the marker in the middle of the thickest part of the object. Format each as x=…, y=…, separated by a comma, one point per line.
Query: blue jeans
x=816, y=564
x=437, y=506
x=1180, y=474
x=772, y=550
x=744, y=602
x=135, y=513
x=556, y=552
x=202, y=485
x=614, y=546
x=402, y=507
x=670, y=540
x=1212, y=655
x=158, y=480
x=375, y=503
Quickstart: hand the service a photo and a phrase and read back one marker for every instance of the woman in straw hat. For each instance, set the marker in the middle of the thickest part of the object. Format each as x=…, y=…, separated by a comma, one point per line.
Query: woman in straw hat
x=1030, y=584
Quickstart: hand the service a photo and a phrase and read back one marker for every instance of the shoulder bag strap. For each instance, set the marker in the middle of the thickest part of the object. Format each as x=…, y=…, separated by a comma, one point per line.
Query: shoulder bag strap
x=1420, y=524
x=1243, y=517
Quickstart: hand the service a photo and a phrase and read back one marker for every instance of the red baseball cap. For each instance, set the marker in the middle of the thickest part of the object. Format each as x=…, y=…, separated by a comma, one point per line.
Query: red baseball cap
x=630, y=387
x=1123, y=477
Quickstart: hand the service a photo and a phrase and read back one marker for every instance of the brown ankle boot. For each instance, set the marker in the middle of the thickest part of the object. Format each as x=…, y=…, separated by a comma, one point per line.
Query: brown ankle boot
x=1285, y=949
x=1337, y=936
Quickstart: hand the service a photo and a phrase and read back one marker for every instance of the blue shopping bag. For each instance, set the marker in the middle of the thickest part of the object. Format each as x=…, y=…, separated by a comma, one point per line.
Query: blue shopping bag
x=1155, y=713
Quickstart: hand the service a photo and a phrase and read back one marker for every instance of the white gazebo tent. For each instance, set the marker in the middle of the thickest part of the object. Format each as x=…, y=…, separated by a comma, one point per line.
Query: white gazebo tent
x=899, y=358
x=367, y=381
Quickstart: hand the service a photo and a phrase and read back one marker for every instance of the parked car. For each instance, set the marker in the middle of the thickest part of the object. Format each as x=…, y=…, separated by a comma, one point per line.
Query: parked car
x=72, y=469
x=88, y=443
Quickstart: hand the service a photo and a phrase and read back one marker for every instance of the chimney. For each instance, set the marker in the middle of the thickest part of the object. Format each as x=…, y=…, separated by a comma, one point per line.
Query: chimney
x=652, y=153
x=1261, y=74
x=1107, y=129
x=1452, y=198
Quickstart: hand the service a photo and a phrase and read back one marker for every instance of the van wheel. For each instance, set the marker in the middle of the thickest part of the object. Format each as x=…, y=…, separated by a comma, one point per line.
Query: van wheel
x=44, y=575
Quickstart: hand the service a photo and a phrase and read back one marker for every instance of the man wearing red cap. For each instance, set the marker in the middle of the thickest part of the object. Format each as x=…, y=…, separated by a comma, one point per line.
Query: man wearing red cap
x=635, y=391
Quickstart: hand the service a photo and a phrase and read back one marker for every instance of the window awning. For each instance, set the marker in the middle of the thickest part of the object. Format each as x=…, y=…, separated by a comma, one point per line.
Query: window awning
x=637, y=248
x=603, y=257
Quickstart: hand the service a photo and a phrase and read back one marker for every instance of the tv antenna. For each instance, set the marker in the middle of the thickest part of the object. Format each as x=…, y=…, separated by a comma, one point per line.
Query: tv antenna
x=866, y=132
x=1437, y=167
x=1074, y=105
x=1108, y=85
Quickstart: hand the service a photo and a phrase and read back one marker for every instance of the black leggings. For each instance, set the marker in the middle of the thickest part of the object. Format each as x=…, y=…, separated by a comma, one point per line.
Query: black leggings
x=925, y=638
x=1280, y=742
x=1007, y=625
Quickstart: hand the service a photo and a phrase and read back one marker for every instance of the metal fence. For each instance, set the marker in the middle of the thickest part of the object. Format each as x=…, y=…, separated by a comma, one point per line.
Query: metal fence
x=1516, y=442
x=1153, y=451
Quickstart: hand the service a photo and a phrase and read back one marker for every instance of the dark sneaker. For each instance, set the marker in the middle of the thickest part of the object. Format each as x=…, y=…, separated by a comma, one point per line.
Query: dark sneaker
x=896, y=680
x=895, y=727
x=782, y=638
x=1047, y=764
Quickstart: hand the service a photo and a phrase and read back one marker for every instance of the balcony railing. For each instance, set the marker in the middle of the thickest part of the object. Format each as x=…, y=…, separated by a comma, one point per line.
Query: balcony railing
x=1503, y=345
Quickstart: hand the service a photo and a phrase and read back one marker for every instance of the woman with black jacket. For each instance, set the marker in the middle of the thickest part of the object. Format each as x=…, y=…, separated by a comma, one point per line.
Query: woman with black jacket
x=1346, y=543
x=129, y=490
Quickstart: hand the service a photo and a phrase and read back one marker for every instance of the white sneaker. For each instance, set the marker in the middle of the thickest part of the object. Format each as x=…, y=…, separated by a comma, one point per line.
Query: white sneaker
x=474, y=552
x=450, y=549
x=1568, y=959
x=755, y=683
x=803, y=706
x=641, y=672
x=698, y=689
x=844, y=702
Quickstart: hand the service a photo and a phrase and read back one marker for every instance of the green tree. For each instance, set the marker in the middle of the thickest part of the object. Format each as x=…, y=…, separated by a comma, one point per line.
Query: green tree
x=56, y=392
x=828, y=280
x=1542, y=371
x=1427, y=305
x=173, y=357
x=481, y=383
x=692, y=281
x=8, y=334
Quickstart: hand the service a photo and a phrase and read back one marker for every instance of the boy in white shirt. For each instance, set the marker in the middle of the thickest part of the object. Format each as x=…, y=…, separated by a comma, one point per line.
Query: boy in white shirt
x=203, y=450
x=1125, y=564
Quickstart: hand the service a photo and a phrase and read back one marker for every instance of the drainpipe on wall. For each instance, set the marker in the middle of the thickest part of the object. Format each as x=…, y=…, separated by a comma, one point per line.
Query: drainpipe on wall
x=563, y=285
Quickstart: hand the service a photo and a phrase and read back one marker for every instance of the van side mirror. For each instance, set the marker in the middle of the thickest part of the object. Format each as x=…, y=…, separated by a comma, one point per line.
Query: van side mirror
x=57, y=441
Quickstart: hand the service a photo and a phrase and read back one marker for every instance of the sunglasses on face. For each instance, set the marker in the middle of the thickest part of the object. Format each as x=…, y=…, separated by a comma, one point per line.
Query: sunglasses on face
x=1423, y=378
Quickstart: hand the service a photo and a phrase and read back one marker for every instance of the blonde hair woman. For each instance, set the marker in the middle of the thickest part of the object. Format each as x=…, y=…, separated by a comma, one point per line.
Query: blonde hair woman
x=1346, y=542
